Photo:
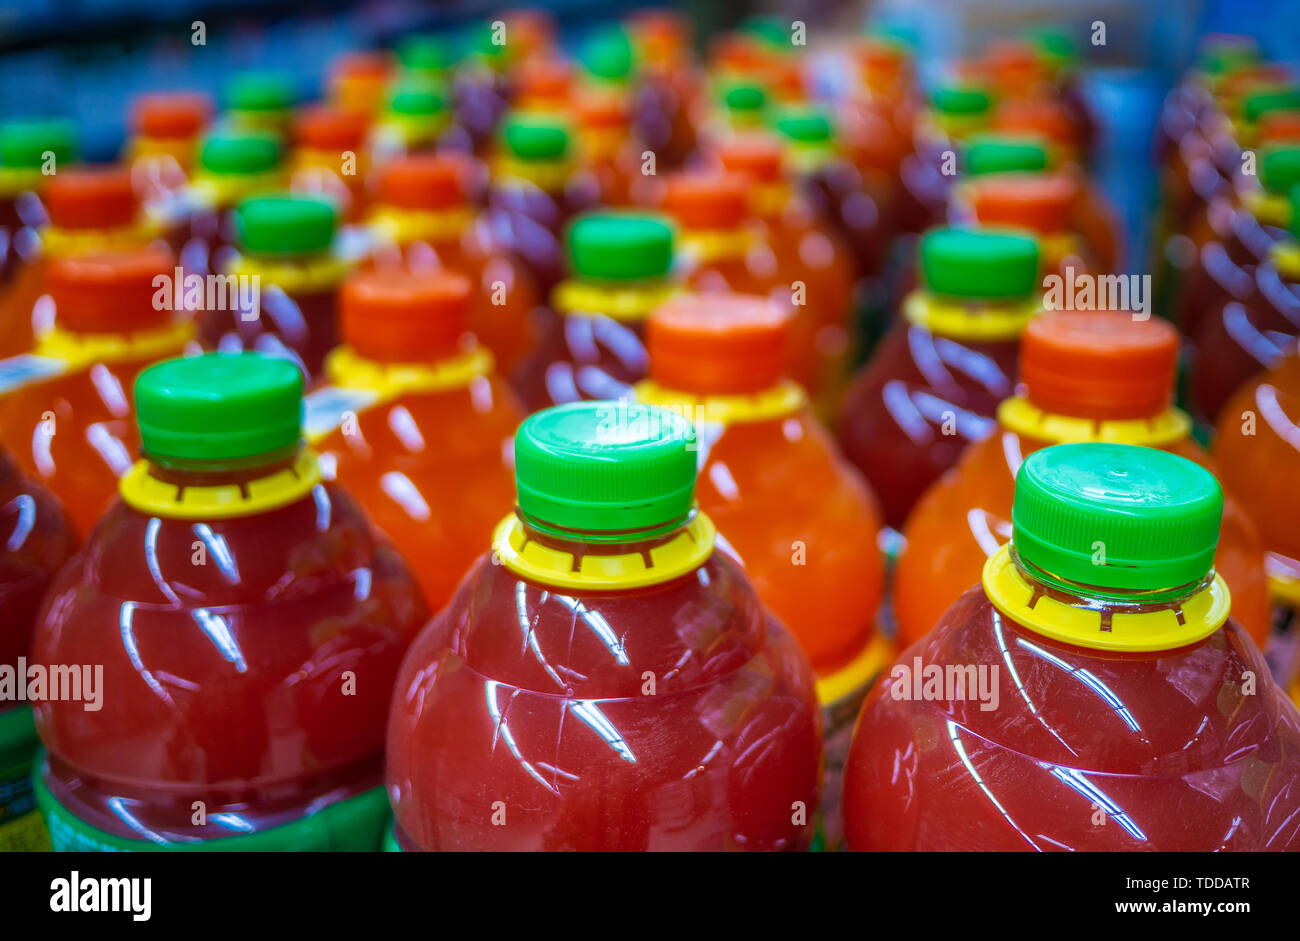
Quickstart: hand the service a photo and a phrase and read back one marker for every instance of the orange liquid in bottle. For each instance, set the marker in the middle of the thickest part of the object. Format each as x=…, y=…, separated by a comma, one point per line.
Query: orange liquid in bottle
x=1071, y=704
x=1257, y=448
x=558, y=730
x=426, y=222
x=790, y=509
x=815, y=255
x=89, y=210
x=324, y=137
x=257, y=680
x=1086, y=376
x=75, y=431
x=429, y=457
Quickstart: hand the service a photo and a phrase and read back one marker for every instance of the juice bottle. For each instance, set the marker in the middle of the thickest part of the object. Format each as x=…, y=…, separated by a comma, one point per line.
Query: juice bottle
x=249, y=628
x=331, y=158
x=66, y=408
x=233, y=166
x=833, y=185
x=610, y=569
x=1039, y=203
x=424, y=221
x=668, y=84
x=788, y=507
x=23, y=149
x=416, y=120
x=1251, y=331
x=482, y=90
x=957, y=111
x=610, y=150
x=261, y=101
x=359, y=81
x=286, y=248
x=37, y=541
x=1257, y=447
x=593, y=346
x=535, y=193
x=1241, y=229
x=1083, y=693
x=89, y=209
x=415, y=423
x=1085, y=376
x=544, y=84
x=815, y=255
x=935, y=381
x=164, y=144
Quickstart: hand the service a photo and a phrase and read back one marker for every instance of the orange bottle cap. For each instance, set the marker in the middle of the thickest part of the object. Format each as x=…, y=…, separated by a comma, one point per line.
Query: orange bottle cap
x=544, y=79
x=706, y=200
x=91, y=198
x=171, y=115
x=598, y=109
x=423, y=182
x=1102, y=365
x=718, y=344
x=111, y=291
x=1043, y=117
x=1039, y=202
x=364, y=66
x=760, y=157
x=324, y=127
x=1014, y=65
x=405, y=316
x=1277, y=126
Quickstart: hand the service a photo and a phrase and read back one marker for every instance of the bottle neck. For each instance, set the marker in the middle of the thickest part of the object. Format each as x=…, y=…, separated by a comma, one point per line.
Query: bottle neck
x=1082, y=595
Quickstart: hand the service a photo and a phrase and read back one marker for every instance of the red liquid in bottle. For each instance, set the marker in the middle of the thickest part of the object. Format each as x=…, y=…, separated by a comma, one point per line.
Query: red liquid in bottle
x=248, y=649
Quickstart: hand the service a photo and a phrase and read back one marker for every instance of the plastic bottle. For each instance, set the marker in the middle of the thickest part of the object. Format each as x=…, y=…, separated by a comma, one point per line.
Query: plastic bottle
x=288, y=265
x=23, y=146
x=787, y=506
x=37, y=540
x=415, y=423
x=89, y=210
x=1257, y=448
x=66, y=412
x=249, y=629
x=535, y=193
x=331, y=157
x=261, y=101
x=233, y=166
x=935, y=381
x=1085, y=376
x=609, y=569
x=424, y=221
x=1041, y=204
x=164, y=144
x=1081, y=696
x=593, y=348
x=1253, y=329
x=813, y=254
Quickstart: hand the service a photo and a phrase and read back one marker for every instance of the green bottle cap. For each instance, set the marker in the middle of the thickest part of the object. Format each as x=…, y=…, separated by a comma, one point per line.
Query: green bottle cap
x=426, y=52
x=285, y=225
x=1227, y=52
x=805, y=126
x=1116, y=516
x=960, y=100
x=417, y=99
x=979, y=263
x=609, y=56
x=261, y=91
x=774, y=32
x=219, y=408
x=23, y=144
x=1279, y=168
x=1260, y=103
x=997, y=153
x=607, y=468
x=239, y=153
x=744, y=96
x=1053, y=44
x=621, y=246
x=535, y=137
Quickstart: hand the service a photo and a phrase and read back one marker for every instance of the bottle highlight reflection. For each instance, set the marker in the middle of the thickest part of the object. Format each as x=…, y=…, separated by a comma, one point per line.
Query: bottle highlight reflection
x=603, y=680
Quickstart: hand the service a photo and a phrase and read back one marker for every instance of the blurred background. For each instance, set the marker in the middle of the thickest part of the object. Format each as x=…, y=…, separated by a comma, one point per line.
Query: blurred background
x=86, y=59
